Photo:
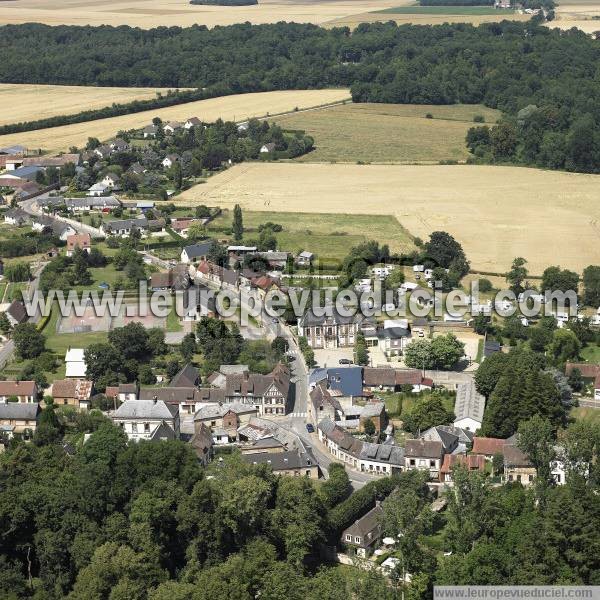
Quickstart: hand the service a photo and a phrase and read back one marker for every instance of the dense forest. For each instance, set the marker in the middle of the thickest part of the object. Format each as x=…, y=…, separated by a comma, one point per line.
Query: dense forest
x=543, y=79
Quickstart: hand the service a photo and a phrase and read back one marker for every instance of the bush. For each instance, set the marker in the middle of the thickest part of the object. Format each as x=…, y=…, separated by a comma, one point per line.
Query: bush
x=485, y=286
x=478, y=119
x=429, y=116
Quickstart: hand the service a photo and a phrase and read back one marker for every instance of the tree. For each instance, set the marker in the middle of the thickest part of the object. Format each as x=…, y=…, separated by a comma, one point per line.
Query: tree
x=104, y=364
x=591, y=285
x=442, y=250
x=82, y=275
x=337, y=487
x=29, y=342
x=517, y=275
x=49, y=429
x=369, y=427
x=361, y=351
x=576, y=380
x=442, y=352
x=238, y=225
x=188, y=346
x=5, y=325
x=394, y=280
x=130, y=341
x=427, y=413
x=19, y=271
x=555, y=278
x=564, y=346
x=539, y=338
x=146, y=376
x=536, y=441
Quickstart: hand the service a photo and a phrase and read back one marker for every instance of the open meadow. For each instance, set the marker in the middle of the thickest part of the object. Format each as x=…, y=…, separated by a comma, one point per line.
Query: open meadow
x=387, y=133
x=237, y=107
x=327, y=235
x=169, y=13
x=29, y=102
x=496, y=213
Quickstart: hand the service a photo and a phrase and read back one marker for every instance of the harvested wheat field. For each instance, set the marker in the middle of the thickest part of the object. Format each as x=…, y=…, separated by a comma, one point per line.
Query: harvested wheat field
x=168, y=13
x=28, y=102
x=238, y=107
x=496, y=213
x=387, y=133
x=353, y=20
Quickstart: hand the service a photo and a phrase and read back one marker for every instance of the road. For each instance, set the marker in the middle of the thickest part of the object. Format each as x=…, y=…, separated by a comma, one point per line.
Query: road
x=7, y=351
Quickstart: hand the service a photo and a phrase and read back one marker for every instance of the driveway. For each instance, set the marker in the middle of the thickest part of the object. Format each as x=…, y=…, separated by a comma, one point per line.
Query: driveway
x=330, y=357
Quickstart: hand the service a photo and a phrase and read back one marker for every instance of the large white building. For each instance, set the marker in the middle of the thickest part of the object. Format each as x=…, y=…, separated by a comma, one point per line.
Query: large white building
x=148, y=419
x=468, y=407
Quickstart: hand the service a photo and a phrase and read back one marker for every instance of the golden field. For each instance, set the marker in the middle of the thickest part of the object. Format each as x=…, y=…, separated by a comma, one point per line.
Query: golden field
x=353, y=20
x=237, y=107
x=157, y=13
x=29, y=102
x=387, y=133
x=497, y=213
x=583, y=14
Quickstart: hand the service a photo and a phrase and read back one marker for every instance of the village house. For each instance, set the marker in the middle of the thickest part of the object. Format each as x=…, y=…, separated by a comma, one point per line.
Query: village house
x=118, y=145
x=124, y=227
x=150, y=131
x=517, y=466
x=209, y=272
x=453, y=439
x=26, y=392
x=16, y=216
x=364, y=533
x=72, y=392
x=171, y=127
x=143, y=419
x=19, y=419
x=196, y=252
x=202, y=443
x=174, y=279
x=374, y=412
x=275, y=260
x=112, y=180
x=392, y=338
x=60, y=229
x=392, y=380
x=82, y=240
x=304, y=258
x=18, y=176
x=471, y=462
x=103, y=151
x=267, y=148
x=264, y=444
x=334, y=331
x=170, y=160
x=192, y=122
x=269, y=394
x=182, y=226
x=468, y=407
x=100, y=203
x=291, y=463
x=187, y=376
x=16, y=313
x=377, y=459
x=224, y=419
x=98, y=189
x=488, y=447
x=424, y=455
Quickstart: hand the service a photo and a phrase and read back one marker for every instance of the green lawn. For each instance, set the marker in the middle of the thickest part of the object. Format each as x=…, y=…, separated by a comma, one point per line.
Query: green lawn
x=173, y=322
x=591, y=353
x=583, y=413
x=329, y=236
x=444, y=10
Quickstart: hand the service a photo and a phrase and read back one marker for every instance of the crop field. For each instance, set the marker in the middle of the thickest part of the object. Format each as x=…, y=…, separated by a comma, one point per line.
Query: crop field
x=582, y=14
x=28, y=102
x=329, y=236
x=237, y=107
x=496, y=213
x=156, y=13
x=387, y=133
x=428, y=15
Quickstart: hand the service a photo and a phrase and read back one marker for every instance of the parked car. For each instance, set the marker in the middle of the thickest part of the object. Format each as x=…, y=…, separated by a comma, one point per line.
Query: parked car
x=345, y=361
x=310, y=428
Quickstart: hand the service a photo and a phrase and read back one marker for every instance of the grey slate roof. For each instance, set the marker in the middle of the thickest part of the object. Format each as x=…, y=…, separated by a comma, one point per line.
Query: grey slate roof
x=146, y=409
x=17, y=311
x=469, y=403
x=347, y=380
x=385, y=453
x=423, y=449
x=163, y=432
x=197, y=250
x=309, y=319
x=188, y=376
x=218, y=410
x=17, y=410
x=288, y=459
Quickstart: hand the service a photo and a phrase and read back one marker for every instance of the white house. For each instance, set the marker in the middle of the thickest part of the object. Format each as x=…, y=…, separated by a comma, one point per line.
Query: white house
x=305, y=258
x=172, y=127
x=424, y=455
x=192, y=122
x=111, y=180
x=267, y=148
x=469, y=407
x=418, y=268
x=169, y=160
x=75, y=361
x=195, y=252
x=98, y=189
x=148, y=419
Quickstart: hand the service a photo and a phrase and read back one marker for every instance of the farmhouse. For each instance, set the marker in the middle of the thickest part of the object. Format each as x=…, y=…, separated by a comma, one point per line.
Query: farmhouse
x=16, y=216
x=488, y=447
x=171, y=127
x=424, y=455
x=59, y=228
x=170, y=160
x=472, y=462
x=82, y=240
x=72, y=392
x=150, y=131
x=112, y=181
x=192, y=122
x=98, y=189
x=124, y=227
x=517, y=466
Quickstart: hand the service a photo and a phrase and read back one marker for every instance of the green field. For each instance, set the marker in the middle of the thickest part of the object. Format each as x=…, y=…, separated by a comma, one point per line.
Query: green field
x=591, y=353
x=582, y=413
x=329, y=236
x=444, y=10
x=387, y=133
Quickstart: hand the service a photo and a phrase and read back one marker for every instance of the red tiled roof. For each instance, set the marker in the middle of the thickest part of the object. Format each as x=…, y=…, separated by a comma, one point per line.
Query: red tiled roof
x=17, y=388
x=412, y=377
x=488, y=446
x=588, y=370
x=471, y=461
x=82, y=240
